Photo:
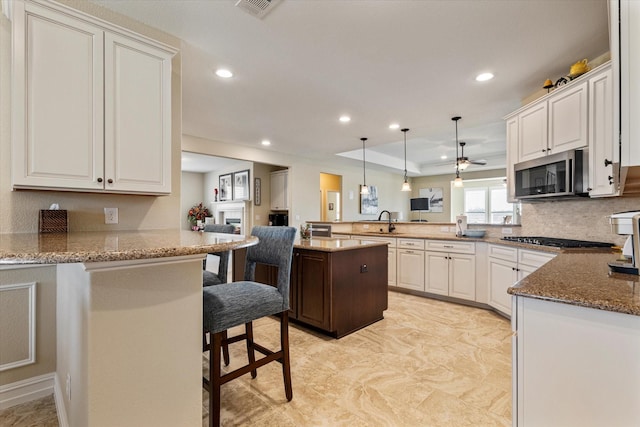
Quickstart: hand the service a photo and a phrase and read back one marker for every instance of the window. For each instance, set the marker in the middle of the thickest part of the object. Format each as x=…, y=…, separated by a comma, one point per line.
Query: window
x=485, y=202
x=475, y=205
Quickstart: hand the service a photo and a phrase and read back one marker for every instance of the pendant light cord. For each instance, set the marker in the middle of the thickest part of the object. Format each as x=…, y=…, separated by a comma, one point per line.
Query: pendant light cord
x=364, y=167
x=455, y=119
x=405, y=130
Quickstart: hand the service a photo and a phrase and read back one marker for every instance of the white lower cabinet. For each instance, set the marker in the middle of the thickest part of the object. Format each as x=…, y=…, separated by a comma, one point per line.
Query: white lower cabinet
x=410, y=266
x=506, y=266
x=574, y=366
x=450, y=268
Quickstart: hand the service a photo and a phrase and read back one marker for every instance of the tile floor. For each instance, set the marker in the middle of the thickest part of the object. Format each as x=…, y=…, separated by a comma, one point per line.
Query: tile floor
x=428, y=363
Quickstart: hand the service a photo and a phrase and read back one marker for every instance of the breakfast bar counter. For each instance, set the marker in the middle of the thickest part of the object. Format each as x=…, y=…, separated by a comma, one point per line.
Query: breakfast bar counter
x=102, y=246
x=128, y=321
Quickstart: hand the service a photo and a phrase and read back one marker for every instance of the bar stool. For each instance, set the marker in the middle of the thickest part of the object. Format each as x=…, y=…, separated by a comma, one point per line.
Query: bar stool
x=210, y=278
x=232, y=304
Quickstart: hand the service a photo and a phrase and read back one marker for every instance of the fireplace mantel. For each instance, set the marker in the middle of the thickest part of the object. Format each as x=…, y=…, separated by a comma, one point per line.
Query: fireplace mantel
x=233, y=209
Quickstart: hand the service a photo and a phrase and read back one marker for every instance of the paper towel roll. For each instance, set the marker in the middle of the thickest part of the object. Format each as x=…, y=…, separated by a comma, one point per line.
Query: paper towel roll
x=461, y=225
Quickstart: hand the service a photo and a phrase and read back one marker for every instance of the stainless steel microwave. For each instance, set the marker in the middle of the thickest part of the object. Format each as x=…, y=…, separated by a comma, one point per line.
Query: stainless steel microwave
x=557, y=175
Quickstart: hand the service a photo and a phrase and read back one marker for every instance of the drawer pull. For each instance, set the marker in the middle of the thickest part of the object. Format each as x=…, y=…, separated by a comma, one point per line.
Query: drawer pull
x=448, y=246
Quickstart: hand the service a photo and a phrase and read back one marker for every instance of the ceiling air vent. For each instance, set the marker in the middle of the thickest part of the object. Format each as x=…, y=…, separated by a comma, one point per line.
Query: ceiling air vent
x=257, y=8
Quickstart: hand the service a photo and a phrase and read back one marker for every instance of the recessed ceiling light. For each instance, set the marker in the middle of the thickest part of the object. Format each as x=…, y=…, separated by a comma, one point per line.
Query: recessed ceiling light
x=394, y=126
x=345, y=119
x=266, y=142
x=484, y=77
x=224, y=73
x=443, y=157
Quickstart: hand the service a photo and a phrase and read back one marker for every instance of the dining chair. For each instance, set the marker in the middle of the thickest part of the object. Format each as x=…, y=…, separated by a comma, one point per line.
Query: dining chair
x=236, y=303
x=210, y=278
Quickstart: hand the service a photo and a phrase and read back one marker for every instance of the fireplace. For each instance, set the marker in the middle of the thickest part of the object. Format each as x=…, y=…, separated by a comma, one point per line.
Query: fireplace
x=236, y=222
x=233, y=212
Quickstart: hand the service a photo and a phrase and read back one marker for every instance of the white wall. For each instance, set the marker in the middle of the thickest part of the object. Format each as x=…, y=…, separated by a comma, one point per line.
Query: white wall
x=191, y=193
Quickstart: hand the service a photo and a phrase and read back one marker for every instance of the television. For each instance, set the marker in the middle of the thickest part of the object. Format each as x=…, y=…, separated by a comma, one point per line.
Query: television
x=420, y=204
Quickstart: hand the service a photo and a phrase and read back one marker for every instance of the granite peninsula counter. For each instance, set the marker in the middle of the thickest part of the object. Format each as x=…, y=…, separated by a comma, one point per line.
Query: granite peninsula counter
x=103, y=246
x=128, y=320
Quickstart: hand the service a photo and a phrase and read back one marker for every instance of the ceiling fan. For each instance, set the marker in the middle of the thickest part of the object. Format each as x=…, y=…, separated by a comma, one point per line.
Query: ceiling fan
x=461, y=161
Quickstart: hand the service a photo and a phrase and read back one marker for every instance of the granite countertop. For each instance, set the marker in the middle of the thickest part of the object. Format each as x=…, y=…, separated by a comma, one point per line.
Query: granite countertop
x=334, y=245
x=583, y=279
x=101, y=246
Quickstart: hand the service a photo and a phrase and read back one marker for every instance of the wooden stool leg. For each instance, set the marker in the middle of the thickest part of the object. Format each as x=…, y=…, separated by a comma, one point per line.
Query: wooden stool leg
x=225, y=349
x=214, y=380
x=250, y=349
x=284, y=345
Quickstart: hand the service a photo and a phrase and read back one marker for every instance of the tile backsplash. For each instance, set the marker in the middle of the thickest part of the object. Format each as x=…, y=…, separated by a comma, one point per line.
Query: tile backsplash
x=582, y=219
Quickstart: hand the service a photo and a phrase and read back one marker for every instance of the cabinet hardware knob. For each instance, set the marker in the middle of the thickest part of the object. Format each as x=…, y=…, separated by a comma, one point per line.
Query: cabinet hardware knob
x=110, y=181
x=589, y=189
x=607, y=162
x=610, y=180
x=543, y=150
x=99, y=179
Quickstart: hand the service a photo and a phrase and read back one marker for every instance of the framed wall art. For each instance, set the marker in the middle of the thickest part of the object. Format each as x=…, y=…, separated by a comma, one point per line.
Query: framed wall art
x=241, y=185
x=226, y=188
x=257, y=189
x=369, y=202
x=435, y=196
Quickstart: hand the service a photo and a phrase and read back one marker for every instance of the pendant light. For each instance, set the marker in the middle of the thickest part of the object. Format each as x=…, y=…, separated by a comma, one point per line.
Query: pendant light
x=458, y=181
x=363, y=188
x=405, y=184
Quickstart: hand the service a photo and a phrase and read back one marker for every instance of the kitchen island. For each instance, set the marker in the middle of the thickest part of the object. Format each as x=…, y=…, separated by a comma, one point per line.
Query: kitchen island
x=129, y=321
x=337, y=286
x=576, y=344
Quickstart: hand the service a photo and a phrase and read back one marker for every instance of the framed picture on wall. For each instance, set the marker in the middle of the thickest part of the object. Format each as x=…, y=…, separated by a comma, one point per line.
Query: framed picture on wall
x=257, y=189
x=435, y=196
x=369, y=202
x=241, y=185
x=226, y=189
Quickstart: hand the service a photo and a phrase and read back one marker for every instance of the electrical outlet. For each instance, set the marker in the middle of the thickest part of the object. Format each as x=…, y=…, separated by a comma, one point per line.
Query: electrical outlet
x=507, y=230
x=110, y=215
x=365, y=226
x=364, y=269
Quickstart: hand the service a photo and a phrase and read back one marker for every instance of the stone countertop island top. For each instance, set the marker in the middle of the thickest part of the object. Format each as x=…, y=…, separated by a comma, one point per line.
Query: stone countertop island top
x=102, y=246
x=583, y=279
x=335, y=245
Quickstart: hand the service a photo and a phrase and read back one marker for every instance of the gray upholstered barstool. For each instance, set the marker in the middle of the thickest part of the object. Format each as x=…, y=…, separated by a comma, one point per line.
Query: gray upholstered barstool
x=232, y=304
x=209, y=277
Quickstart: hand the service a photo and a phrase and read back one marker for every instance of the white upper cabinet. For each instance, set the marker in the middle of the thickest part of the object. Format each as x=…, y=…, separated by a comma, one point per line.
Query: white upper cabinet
x=92, y=106
x=280, y=190
x=568, y=120
x=554, y=124
x=532, y=132
x=580, y=115
x=603, y=156
x=629, y=62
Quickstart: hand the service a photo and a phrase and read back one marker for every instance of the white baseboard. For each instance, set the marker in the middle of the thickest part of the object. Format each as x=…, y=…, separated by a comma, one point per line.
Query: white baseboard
x=63, y=421
x=26, y=390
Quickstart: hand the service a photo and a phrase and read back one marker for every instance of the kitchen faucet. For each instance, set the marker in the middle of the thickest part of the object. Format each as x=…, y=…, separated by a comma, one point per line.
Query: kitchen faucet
x=391, y=226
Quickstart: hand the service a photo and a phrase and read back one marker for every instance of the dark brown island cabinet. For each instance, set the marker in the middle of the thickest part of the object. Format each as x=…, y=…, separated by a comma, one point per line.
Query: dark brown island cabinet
x=336, y=288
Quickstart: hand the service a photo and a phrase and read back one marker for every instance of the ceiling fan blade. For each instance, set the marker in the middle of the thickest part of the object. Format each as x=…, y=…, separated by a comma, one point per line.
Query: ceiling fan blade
x=478, y=162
